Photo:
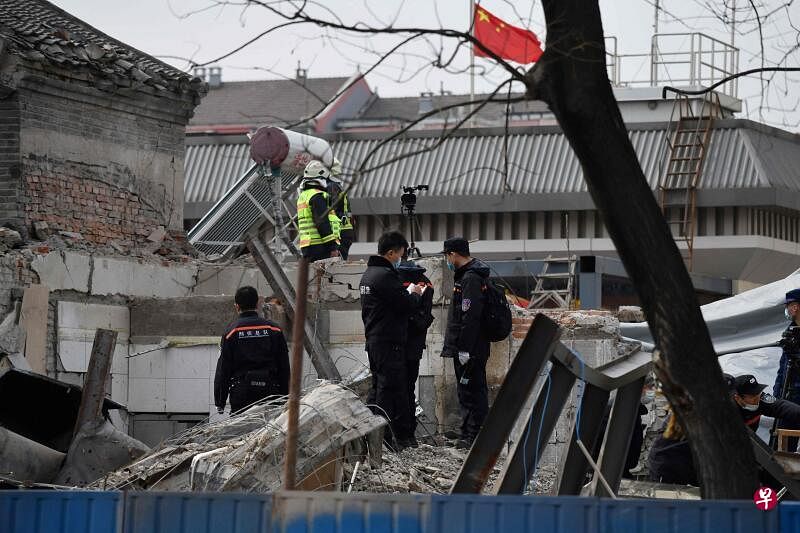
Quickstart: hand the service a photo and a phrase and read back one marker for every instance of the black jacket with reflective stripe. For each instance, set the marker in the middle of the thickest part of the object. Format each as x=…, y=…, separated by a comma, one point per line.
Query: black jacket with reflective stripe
x=251, y=343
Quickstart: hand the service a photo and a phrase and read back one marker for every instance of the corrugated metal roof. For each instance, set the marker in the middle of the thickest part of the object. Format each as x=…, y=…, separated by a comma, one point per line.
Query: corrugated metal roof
x=539, y=162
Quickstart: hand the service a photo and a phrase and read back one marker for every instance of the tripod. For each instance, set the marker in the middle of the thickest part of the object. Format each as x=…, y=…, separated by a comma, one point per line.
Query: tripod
x=408, y=208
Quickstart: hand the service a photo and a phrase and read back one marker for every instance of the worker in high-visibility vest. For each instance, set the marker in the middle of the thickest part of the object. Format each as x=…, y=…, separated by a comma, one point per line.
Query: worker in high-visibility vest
x=341, y=204
x=317, y=222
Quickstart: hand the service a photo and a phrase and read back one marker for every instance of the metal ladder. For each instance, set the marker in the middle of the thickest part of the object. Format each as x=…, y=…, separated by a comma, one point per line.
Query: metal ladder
x=687, y=146
x=561, y=296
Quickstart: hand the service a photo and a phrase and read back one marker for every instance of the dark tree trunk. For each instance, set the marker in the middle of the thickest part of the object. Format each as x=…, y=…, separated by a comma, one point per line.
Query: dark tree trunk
x=571, y=77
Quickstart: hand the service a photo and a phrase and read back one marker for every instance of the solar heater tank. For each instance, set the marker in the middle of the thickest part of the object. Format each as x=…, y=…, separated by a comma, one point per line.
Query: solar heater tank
x=288, y=150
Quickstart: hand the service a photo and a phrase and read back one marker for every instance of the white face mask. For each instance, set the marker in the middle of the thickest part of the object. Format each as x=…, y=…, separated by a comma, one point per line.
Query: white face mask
x=750, y=407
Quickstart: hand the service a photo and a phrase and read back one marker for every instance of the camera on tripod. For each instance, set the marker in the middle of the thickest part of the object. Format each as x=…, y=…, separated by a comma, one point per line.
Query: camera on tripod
x=408, y=203
x=408, y=200
x=790, y=339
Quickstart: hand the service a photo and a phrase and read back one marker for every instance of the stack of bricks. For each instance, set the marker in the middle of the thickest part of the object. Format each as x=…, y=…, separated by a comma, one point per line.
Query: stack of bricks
x=100, y=212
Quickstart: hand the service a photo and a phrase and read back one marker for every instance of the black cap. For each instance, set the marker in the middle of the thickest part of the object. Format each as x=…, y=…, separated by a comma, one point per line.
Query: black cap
x=748, y=384
x=460, y=245
x=792, y=296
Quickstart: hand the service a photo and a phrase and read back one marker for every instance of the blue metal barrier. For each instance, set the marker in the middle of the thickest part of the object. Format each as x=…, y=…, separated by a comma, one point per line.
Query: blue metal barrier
x=336, y=512
x=789, y=517
x=191, y=512
x=43, y=511
x=490, y=514
x=330, y=512
x=684, y=516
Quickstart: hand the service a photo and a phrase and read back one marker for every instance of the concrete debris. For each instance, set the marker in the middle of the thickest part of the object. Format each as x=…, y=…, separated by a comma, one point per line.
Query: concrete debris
x=9, y=238
x=157, y=235
x=245, y=452
x=427, y=469
x=630, y=313
x=37, y=420
x=650, y=489
x=41, y=230
x=71, y=235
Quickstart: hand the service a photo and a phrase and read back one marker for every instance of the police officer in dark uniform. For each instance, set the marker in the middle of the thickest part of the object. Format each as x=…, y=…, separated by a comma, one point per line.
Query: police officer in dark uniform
x=465, y=340
x=385, y=308
x=752, y=403
x=790, y=351
x=253, y=362
x=418, y=323
x=787, y=382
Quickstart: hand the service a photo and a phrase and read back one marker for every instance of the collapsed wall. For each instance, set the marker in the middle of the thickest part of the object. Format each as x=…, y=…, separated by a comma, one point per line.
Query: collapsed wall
x=169, y=316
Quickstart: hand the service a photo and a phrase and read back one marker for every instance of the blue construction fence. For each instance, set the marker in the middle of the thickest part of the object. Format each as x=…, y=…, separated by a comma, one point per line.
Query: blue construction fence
x=317, y=512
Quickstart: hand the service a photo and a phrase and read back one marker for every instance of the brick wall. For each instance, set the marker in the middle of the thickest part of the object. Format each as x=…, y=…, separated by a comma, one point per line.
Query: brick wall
x=107, y=166
x=9, y=157
x=75, y=197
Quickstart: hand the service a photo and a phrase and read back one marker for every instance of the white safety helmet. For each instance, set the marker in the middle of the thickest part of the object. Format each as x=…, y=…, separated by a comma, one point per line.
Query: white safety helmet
x=316, y=170
x=336, y=168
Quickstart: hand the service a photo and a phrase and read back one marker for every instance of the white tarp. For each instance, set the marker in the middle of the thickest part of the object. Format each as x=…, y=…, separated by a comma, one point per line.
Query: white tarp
x=748, y=320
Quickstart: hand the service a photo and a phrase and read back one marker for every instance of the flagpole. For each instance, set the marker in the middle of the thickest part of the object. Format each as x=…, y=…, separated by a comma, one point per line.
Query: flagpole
x=472, y=58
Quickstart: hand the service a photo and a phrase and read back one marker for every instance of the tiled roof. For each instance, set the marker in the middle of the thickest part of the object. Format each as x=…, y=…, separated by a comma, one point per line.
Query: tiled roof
x=276, y=102
x=40, y=32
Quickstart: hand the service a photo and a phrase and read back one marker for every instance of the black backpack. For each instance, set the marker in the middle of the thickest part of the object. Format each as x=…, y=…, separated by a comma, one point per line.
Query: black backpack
x=496, y=313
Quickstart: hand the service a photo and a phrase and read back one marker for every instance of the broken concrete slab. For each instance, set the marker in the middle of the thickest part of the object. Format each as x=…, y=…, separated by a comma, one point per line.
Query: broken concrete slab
x=63, y=271
x=130, y=278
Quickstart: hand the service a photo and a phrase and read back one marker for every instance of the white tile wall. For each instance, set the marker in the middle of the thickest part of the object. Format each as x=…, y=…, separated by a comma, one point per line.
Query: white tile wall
x=187, y=395
x=147, y=395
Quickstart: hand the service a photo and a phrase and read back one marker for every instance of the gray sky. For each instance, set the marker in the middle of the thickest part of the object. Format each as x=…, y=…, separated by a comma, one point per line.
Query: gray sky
x=201, y=30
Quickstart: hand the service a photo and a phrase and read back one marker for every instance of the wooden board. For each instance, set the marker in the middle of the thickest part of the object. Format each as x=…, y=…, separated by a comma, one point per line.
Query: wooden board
x=33, y=320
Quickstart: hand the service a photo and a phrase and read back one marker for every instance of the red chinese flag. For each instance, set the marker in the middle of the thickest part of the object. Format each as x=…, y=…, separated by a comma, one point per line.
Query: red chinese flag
x=507, y=41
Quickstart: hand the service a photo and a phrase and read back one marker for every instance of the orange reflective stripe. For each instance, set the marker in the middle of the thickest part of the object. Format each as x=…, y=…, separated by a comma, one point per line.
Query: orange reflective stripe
x=249, y=328
x=300, y=206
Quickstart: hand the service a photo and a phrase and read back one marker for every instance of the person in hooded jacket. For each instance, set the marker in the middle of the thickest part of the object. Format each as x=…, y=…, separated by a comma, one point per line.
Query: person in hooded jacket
x=385, y=308
x=418, y=323
x=465, y=340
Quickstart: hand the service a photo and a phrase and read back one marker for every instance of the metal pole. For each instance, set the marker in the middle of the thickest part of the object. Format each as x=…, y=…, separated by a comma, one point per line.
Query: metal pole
x=655, y=18
x=290, y=459
x=733, y=22
x=472, y=58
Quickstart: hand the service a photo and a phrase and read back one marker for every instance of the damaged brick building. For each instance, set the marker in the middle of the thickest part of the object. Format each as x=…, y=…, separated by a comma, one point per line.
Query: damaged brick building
x=91, y=130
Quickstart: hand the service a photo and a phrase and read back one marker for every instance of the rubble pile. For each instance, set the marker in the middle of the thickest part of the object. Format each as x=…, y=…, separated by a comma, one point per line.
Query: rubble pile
x=428, y=469
x=245, y=452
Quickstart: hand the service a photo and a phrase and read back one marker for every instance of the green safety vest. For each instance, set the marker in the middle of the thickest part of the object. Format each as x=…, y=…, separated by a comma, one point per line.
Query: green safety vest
x=346, y=219
x=309, y=235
